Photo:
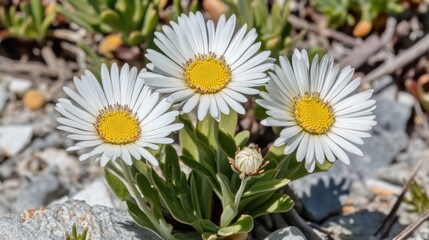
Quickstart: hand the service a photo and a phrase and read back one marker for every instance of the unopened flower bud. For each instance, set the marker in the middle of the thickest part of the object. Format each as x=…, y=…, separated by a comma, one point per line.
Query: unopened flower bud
x=248, y=162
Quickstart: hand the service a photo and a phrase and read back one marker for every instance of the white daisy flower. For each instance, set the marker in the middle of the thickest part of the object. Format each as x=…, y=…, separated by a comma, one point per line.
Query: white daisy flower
x=207, y=66
x=321, y=113
x=119, y=118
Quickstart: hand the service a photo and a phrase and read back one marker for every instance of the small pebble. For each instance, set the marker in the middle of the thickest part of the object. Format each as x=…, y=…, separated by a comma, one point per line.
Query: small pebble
x=33, y=99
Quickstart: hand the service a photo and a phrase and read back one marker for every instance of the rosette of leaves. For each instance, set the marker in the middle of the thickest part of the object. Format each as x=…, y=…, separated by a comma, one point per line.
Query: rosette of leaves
x=29, y=20
x=75, y=235
x=270, y=21
x=201, y=203
x=135, y=20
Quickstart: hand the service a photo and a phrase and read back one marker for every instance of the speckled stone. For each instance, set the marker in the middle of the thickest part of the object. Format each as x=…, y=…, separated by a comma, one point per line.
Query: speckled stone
x=53, y=222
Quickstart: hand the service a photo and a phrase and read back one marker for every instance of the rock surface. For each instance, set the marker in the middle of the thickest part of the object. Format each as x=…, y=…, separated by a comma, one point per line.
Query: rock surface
x=53, y=222
x=13, y=138
x=287, y=233
x=18, y=85
x=3, y=98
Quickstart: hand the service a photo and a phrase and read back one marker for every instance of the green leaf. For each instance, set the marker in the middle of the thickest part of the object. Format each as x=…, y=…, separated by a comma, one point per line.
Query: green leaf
x=205, y=131
x=227, y=199
x=197, y=167
x=276, y=204
x=207, y=156
x=265, y=186
x=46, y=23
x=188, y=138
x=227, y=195
x=76, y=18
x=150, y=193
x=228, y=123
x=243, y=225
x=260, y=9
x=228, y=214
x=168, y=195
x=117, y=186
x=186, y=235
x=82, y=6
x=194, y=6
x=137, y=215
x=205, y=225
x=241, y=138
x=37, y=12
x=251, y=202
x=135, y=38
x=169, y=163
x=4, y=18
x=111, y=18
x=227, y=144
x=194, y=189
x=275, y=153
x=150, y=20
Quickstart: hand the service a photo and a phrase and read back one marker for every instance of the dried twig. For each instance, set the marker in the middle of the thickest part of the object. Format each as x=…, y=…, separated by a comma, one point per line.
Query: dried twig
x=339, y=36
x=68, y=35
x=370, y=46
x=11, y=66
x=390, y=218
x=413, y=226
x=418, y=49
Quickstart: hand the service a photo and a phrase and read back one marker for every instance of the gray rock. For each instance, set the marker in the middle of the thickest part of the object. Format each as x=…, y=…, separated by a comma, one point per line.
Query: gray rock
x=357, y=226
x=287, y=233
x=415, y=149
x=3, y=209
x=13, y=138
x=323, y=194
x=379, y=151
x=38, y=193
x=98, y=193
x=58, y=159
x=7, y=168
x=3, y=98
x=53, y=222
x=18, y=85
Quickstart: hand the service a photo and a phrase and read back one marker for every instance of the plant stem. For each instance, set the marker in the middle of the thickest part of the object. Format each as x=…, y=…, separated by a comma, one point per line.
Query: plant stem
x=218, y=148
x=240, y=192
x=141, y=202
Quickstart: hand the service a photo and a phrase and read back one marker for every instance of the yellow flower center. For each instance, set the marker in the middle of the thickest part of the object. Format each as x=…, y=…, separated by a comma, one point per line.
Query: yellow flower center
x=207, y=74
x=313, y=115
x=117, y=125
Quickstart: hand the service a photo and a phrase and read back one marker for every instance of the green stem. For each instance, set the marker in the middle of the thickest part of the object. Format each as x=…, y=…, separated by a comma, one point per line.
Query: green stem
x=240, y=192
x=141, y=202
x=218, y=148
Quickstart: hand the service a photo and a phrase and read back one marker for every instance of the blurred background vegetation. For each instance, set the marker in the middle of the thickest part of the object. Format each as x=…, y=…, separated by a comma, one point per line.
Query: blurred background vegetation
x=120, y=30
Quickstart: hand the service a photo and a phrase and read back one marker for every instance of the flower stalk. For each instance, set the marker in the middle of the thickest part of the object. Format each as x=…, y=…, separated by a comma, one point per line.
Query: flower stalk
x=240, y=191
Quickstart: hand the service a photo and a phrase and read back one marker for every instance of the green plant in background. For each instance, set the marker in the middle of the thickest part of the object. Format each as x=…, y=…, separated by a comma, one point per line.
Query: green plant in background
x=418, y=199
x=75, y=235
x=173, y=12
x=337, y=11
x=30, y=20
x=272, y=25
x=135, y=20
x=340, y=12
